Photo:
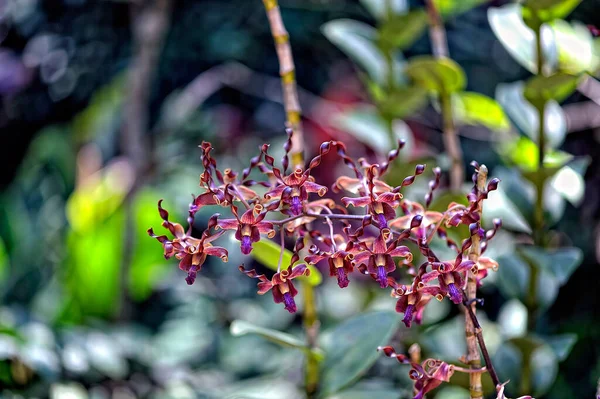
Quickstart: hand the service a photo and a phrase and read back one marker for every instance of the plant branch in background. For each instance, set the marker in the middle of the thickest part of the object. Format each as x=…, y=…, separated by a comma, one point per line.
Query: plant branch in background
x=150, y=23
x=439, y=45
x=287, y=71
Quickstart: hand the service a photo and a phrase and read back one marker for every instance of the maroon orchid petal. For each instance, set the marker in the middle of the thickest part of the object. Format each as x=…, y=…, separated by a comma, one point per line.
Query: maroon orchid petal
x=315, y=188
x=299, y=270
x=266, y=228
x=356, y=202
x=217, y=251
x=276, y=192
x=227, y=224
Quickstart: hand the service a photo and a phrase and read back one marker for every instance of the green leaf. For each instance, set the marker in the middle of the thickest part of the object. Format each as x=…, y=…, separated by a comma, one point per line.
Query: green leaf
x=525, y=116
x=517, y=38
x=401, y=31
x=368, y=127
x=540, y=89
x=354, y=393
x=570, y=184
x=513, y=276
x=575, y=47
x=357, y=40
x=499, y=205
x=548, y=10
x=476, y=109
x=402, y=102
x=561, y=263
x=449, y=8
x=544, y=368
x=350, y=348
x=561, y=344
x=441, y=75
x=267, y=253
x=378, y=8
x=525, y=154
x=241, y=327
x=513, y=319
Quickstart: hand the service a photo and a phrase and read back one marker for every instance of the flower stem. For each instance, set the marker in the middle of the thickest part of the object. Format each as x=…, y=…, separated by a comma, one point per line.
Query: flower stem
x=287, y=71
x=473, y=358
x=311, y=327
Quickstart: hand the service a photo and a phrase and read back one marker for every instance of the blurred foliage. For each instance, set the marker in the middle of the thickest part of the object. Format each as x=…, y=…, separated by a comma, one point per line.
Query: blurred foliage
x=75, y=321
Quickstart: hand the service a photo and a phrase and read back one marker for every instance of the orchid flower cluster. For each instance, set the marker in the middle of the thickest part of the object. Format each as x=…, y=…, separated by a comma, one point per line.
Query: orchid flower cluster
x=369, y=241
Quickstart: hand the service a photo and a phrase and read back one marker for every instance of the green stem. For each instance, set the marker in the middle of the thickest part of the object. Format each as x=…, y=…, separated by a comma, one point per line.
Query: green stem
x=538, y=218
x=311, y=326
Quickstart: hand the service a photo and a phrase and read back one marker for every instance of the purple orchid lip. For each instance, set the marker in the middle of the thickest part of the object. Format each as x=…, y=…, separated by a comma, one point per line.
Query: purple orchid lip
x=408, y=313
x=382, y=277
x=455, y=294
x=246, y=246
x=342, y=277
x=382, y=221
x=290, y=304
x=296, y=206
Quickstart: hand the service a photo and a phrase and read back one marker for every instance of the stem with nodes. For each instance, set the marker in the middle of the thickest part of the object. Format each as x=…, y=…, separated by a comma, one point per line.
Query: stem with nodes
x=287, y=71
x=473, y=358
x=439, y=44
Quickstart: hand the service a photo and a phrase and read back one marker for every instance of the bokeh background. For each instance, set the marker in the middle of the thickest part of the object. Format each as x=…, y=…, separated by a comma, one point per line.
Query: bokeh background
x=104, y=104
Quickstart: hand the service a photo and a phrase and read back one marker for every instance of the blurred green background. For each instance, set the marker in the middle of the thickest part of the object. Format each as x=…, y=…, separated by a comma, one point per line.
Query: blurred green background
x=90, y=308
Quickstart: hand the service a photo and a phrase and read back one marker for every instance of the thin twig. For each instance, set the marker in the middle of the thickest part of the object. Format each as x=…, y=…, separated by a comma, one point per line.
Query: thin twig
x=480, y=340
x=287, y=71
x=149, y=24
x=439, y=45
x=473, y=358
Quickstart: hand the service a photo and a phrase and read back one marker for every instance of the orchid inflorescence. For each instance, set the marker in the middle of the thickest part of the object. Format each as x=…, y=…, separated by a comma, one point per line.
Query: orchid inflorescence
x=370, y=242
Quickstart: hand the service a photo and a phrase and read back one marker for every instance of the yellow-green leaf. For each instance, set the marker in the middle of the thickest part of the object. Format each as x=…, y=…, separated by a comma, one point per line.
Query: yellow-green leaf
x=401, y=31
x=547, y=10
x=476, y=109
x=267, y=253
x=439, y=75
x=557, y=87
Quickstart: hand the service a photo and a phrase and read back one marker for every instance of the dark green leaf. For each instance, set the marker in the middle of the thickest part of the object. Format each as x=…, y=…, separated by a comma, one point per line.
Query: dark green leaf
x=561, y=344
x=354, y=393
x=439, y=75
x=508, y=362
x=401, y=31
x=513, y=276
x=541, y=89
x=350, y=348
x=544, y=367
x=240, y=327
x=499, y=205
x=561, y=263
x=476, y=109
x=267, y=253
